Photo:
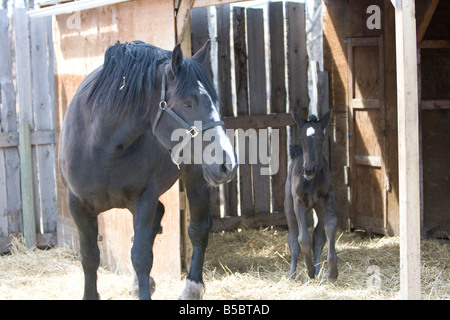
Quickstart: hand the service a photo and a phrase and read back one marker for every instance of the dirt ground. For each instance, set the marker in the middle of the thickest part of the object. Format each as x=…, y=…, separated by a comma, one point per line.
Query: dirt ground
x=250, y=264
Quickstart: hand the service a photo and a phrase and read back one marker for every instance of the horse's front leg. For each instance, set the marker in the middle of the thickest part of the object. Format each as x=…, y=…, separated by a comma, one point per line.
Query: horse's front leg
x=144, y=235
x=292, y=223
x=86, y=221
x=304, y=239
x=200, y=225
x=330, y=222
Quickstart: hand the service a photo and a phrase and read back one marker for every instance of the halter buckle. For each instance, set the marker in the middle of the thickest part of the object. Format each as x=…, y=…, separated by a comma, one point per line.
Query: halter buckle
x=192, y=131
x=162, y=104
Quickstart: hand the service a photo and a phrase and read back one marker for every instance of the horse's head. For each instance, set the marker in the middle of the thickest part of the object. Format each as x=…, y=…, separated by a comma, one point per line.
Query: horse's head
x=189, y=105
x=311, y=138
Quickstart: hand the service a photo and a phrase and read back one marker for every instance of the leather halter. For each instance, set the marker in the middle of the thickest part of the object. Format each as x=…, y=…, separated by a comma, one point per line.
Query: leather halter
x=190, y=129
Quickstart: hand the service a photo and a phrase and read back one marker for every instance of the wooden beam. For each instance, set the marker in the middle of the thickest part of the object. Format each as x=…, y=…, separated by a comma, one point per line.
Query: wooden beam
x=408, y=150
x=259, y=121
x=434, y=44
x=26, y=179
x=209, y=3
x=435, y=104
x=183, y=15
x=423, y=26
x=71, y=7
x=11, y=139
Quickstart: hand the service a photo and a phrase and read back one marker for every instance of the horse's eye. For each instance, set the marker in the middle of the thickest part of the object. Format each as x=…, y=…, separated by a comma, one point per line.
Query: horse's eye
x=188, y=105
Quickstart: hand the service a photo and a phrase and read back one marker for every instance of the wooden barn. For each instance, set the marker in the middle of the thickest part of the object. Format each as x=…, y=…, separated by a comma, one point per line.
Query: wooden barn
x=360, y=56
x=388, y=142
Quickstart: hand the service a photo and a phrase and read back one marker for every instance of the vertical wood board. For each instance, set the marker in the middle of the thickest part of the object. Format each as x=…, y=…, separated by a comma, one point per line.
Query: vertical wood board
x=258, y=100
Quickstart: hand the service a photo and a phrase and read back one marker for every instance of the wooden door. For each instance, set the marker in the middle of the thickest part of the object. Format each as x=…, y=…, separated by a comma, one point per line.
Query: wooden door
x=367, y=136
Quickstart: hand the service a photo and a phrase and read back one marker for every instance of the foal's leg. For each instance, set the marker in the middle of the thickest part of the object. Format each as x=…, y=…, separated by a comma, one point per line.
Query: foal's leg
x=304, y=239
x=86, y=221
x=330, y=222
x=200, y=225
x=319, y=237
x=294, y=246
x=142, y=250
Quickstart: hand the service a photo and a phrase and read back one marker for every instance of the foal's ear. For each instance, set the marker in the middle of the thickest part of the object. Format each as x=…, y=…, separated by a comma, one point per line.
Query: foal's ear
x=200, y=55
x=299, y=119
x=177, y=59
x=325, y=119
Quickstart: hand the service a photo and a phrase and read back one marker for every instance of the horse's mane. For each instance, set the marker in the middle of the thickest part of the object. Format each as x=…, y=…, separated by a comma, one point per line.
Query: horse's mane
x=126, y=80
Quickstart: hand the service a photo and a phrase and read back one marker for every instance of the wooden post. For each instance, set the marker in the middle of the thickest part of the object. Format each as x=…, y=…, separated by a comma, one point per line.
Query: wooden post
x=297, y=63
x=408, y=149
x=26, y=180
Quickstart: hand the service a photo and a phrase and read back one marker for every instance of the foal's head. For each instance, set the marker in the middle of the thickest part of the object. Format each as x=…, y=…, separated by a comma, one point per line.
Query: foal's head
x=311, y=138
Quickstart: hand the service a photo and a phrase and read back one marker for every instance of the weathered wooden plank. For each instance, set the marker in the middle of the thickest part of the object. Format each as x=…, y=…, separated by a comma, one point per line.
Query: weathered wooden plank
x=278, y=97
x=372, y=161
x=240, y=60
x=423, y=25
x=258, y=99
x=297, y=60
x=3, y=203
x=11, y=139
x=43, y=111
x=224, y=88
x=240, y=68
x=182, y=17
x=408, y=152
x=26, y=179
x=23, y=66
x=428, y=44
x=435, y=104
x=8, y=124
x=223, y=60
x=207, y=3
x=259, y=121
x=256, y=62
x=200, y=32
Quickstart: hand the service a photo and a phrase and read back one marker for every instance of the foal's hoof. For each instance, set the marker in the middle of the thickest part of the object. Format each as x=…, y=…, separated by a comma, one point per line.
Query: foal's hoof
x=193, y=291
x=311, y=274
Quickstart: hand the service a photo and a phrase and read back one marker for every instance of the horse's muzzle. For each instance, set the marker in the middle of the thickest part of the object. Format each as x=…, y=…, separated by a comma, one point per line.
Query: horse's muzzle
x=217, y=174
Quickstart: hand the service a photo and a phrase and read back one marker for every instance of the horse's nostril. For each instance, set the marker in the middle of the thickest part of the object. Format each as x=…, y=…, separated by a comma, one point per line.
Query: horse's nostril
x=227, y=168
x=308, y=172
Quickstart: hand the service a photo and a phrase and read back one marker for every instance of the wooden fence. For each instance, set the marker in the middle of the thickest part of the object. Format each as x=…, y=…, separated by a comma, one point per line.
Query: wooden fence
x=27, y=135
x=260, y=66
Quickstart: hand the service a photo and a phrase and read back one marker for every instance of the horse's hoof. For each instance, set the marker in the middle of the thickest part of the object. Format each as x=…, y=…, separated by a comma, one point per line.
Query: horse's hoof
x=193, y=291
x=135, y=287
x=332, y=276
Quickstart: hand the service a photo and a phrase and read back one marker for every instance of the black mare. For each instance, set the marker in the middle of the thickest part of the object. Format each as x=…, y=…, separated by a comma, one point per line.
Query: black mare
x=308, y=186
x=115, y=143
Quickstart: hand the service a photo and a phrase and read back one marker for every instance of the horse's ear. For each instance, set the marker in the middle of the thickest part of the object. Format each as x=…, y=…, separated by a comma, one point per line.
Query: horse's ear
x=177, y=59
x=200, y=55
x=299, y=119
x=325, y=119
